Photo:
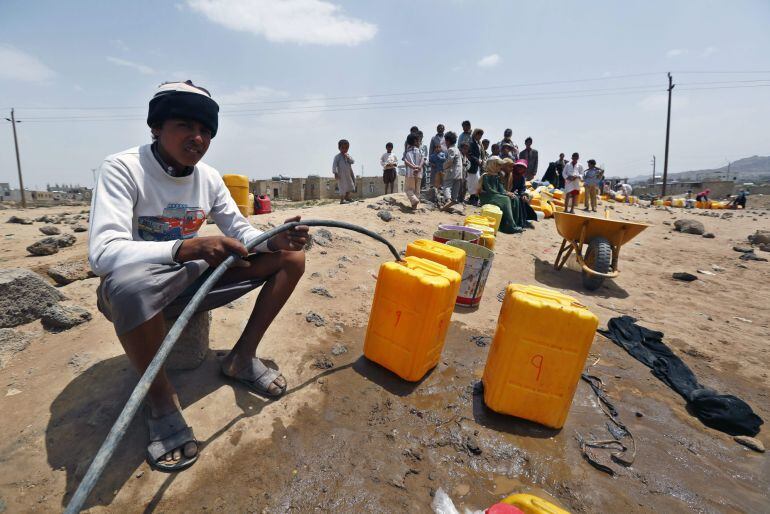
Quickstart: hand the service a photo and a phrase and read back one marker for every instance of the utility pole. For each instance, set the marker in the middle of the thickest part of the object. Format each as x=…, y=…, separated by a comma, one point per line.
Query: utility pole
x=668, y=133
x=18, y=161
x=653, y=173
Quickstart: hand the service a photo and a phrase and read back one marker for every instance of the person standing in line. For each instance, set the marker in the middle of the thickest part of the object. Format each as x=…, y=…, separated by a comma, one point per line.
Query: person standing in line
x=573, y=173
x=413, y=160
x=593, y=177
x=559, y=171
x=389, y=163
x=425, y=181
x=507, y=134
x=495, y=151
x=476, y=156
x=438, y=139
x=465, y=149
x=465, y=136
x=530, y=155
x=413, y=130
x=485, y=144
x=342, y=167
x=452, y=183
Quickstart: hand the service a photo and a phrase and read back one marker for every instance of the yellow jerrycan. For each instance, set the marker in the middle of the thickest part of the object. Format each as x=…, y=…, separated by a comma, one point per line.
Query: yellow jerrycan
x=531, y=504
x=493, y=212
x=487, y=235
x=450, y=256
x=480, y=220
x=413, y=303
x=238, y=185
x=538, y=352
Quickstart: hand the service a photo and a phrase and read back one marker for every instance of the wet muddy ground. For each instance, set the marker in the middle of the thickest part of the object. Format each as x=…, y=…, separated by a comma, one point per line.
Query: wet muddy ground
x=377, y=444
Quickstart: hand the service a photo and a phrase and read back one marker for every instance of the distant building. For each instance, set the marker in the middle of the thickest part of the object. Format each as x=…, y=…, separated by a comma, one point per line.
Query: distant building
x=315, y=187
x=5, y=192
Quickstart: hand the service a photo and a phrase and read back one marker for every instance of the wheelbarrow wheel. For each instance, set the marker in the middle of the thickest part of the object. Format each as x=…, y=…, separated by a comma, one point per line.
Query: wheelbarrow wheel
x=599, y=258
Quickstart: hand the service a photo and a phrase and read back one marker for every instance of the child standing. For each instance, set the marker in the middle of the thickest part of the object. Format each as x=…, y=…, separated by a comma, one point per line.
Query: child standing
x=593, y=177
x=342, y=167
x=437, y=159
x=413, y=160
x=573, y=173
x=452, y=172
x=389, y=163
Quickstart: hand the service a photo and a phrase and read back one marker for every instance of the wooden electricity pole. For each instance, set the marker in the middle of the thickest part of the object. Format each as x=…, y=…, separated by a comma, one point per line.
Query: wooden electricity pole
x=668, y=133
x=18, y=161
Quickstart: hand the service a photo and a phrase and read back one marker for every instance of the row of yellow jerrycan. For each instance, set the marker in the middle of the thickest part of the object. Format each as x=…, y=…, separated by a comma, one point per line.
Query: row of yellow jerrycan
x=537, y=354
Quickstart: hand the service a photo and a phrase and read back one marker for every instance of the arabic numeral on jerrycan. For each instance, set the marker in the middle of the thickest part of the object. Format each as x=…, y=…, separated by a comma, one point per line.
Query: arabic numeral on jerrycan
x=538, y=352
x=412, y=307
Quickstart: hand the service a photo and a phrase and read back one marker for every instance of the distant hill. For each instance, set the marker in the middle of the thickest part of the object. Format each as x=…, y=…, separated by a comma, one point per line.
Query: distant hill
x=747, y=169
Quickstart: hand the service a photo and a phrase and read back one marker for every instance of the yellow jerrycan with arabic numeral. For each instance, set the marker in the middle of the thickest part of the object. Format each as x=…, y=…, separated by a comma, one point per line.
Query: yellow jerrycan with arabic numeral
x=238, y=185
x=450, y=256
x=413, y=303
x=537, y=355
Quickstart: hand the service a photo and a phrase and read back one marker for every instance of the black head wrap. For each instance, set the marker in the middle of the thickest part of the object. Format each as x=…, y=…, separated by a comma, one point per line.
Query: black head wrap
x=186, y=101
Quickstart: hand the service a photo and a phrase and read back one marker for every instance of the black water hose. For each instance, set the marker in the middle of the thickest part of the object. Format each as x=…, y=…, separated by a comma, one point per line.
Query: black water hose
x=118, y=430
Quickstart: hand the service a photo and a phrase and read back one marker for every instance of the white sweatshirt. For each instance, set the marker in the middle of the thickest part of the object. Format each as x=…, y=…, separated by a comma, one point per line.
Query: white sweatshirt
x=138, y=211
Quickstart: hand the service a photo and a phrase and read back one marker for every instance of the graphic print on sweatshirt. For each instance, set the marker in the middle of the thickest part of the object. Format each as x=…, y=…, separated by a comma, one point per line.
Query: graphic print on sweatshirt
x=178, y=221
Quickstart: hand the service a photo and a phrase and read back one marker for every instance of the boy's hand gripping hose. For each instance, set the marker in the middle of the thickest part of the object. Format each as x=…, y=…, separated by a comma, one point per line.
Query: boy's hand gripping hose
x=140, y=391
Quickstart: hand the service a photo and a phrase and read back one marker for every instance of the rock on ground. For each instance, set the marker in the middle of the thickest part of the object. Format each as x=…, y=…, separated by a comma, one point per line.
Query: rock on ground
x=79, y=228
x=63, y=317
x=193, y=345
x=20, y=221
x=315, y=319
x=50, y=230
x=689, y=227
x=43, y=247
x=24, y=296
x=684, y=276
x=68, y=272
x=750, y=442
x=384, y=215
x=11, y=342
x=709, y=235
x=760, y=237
x=63, y=241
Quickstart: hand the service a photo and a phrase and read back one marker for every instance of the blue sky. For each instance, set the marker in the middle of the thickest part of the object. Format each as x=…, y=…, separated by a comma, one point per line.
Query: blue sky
x=293, y=77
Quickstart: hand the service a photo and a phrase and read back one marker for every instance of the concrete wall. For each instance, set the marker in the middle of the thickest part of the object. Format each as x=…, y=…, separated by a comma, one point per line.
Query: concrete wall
x=719, y=188
x=320, y=188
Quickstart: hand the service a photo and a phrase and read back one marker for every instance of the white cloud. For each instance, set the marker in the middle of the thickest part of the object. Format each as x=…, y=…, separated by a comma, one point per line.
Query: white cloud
x=676, y=52
x=141, y=68
x=489, y=61
x=709, y=51
x=290, y=21
x=18, y=65
x=120, y=45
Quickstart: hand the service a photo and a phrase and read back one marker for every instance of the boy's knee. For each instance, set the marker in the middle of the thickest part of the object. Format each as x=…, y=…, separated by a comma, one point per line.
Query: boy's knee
x=293, y=262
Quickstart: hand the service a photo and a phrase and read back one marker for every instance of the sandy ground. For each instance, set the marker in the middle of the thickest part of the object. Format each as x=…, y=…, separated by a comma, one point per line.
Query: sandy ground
x=350, y=437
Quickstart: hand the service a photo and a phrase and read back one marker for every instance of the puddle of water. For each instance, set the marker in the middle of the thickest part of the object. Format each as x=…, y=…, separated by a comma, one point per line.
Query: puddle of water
x=378, y=444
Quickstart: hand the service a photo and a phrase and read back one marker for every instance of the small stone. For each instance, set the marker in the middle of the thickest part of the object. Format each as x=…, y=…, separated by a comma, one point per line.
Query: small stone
x=684, y=276
x=339, y=349
x=20, y=221
x=50, y=230
x=638, y=414
x=140, y=474
x=481, y=341
x=315, y=319
x=384, y=215
x=743, y=249
x=321, y=291
x=472, y=445
x=43, y=247
x=79, y=228
x=322, y=361
x=750, y=442
x=751, y=256
x=689, y=227
x=69, y=272
x=717, y=268
x=760, y=237
x=709, y=235
x=57, y=318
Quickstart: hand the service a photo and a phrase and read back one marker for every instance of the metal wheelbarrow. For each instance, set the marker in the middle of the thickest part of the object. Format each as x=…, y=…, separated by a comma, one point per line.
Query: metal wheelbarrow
x=596, y=243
